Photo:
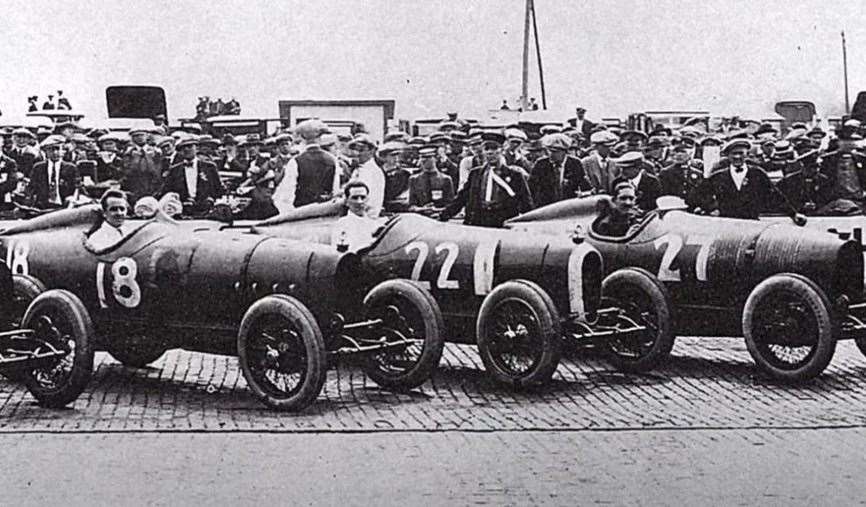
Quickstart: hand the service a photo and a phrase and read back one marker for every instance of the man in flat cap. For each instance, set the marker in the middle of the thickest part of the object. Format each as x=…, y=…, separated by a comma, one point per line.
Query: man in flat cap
x=494, y=191
x=396, y=177
x=430, y=189
x=52, y=180
x=514, y=140
x=310, y=176
x=647, y=187
x=23, y=154
x=474, y=159
x=194, y=180
x=559, y=175
x=369, y=172
x=599, y=168
x=740, y=190
x=142, y=167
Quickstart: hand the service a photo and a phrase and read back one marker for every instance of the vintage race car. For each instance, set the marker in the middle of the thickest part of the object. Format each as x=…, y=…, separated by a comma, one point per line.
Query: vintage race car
x=285, y=308
x=791, y=291
x=515, y=295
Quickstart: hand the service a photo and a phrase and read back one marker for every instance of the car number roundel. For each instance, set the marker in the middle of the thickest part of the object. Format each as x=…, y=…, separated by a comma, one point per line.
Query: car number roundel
x=124, y=286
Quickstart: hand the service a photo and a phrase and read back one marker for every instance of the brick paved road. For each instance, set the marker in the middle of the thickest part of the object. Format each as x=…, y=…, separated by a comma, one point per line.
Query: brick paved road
x=709, y=383
x=644, y=467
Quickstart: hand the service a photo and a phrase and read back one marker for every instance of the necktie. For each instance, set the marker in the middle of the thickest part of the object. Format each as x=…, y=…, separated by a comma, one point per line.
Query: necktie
x=52, y=181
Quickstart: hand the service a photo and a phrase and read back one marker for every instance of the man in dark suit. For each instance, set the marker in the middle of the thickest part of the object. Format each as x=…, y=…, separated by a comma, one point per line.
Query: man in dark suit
x=647, y=187
x=52, y=180
x=22, y=153
x=429, y=188
x=493, y=192
x=558, y=176
x=195, y=181
x=682, y=176
x=581, y=124
x=740, y=190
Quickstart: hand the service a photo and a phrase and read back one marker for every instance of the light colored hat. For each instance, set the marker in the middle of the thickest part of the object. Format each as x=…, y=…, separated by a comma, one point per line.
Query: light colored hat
x=556, y=142
x=309, y=130
x=146, y=207
x=603, y=137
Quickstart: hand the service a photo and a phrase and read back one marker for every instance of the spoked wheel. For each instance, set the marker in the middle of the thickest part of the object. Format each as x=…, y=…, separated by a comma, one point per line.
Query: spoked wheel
x=519, y=335
x=282, y=353
x=789, y=328
x=25, y=288
x=412, y=322
x=59, y=318
x=644, y=301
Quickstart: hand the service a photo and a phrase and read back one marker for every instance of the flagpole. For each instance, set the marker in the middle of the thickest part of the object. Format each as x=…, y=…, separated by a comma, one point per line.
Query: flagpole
x=845, y=70
x=538, y=55
x=524, y=99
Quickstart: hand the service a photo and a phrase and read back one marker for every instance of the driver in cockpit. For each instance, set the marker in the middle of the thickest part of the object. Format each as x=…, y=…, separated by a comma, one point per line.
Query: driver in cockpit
x=619, y=214
x=112, y=227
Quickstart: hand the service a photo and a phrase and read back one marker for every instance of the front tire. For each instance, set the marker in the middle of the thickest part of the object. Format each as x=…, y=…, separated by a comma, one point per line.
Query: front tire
x=789, y=327
x=60, y=318
x=645, y=300
x=282, y=353
x=519, y=334
x=408, y=312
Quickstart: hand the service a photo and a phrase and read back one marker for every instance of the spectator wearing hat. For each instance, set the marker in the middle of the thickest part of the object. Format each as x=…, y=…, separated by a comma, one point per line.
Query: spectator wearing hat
x=311, y=176
x=683, y=175
x=63, y=102
x=581, y=124
x=23, y=154
x=53, y=180
x=494, y=192
x=9, y=183
x=283, y=156
x=261, y=195
x=598, y=166
x=807, y=189
x=142, y=167
x=475, y=157
x=742, y=190
x=229, y=159
x=396, y=177
x=196, y=181
x=369, y=172
x=514, y=140
x=557, y=176
x=207, y=148
x=160, y=124
x=253, y=147
x=634, y=140
x=430, y=188
x=109, y=164
x=656, y=153
x=782, y=162
x=48, y=105
x=845, y=169
x=170, y=157
x=647, y=187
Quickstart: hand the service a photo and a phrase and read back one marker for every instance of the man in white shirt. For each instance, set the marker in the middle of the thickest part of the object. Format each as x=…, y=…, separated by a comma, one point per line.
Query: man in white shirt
x=112, y=229
x=355, y=230
x=369, y=172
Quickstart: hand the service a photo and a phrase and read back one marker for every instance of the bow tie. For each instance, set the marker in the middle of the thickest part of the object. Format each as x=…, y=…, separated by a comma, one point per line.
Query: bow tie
x=739, y=170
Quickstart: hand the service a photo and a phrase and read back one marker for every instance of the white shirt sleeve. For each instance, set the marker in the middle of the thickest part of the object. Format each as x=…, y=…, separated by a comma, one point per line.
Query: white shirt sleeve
x=375, y=179
x=464, y=168
x=284, y=195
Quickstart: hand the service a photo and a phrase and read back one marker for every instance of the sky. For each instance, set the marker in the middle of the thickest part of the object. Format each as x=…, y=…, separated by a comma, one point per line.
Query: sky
x=434, y=56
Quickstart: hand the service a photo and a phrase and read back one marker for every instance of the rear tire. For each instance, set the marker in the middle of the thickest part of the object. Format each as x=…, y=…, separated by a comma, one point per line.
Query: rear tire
x=282, y=353
x=789, y=327
x=519, y=334
x=60, y=318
